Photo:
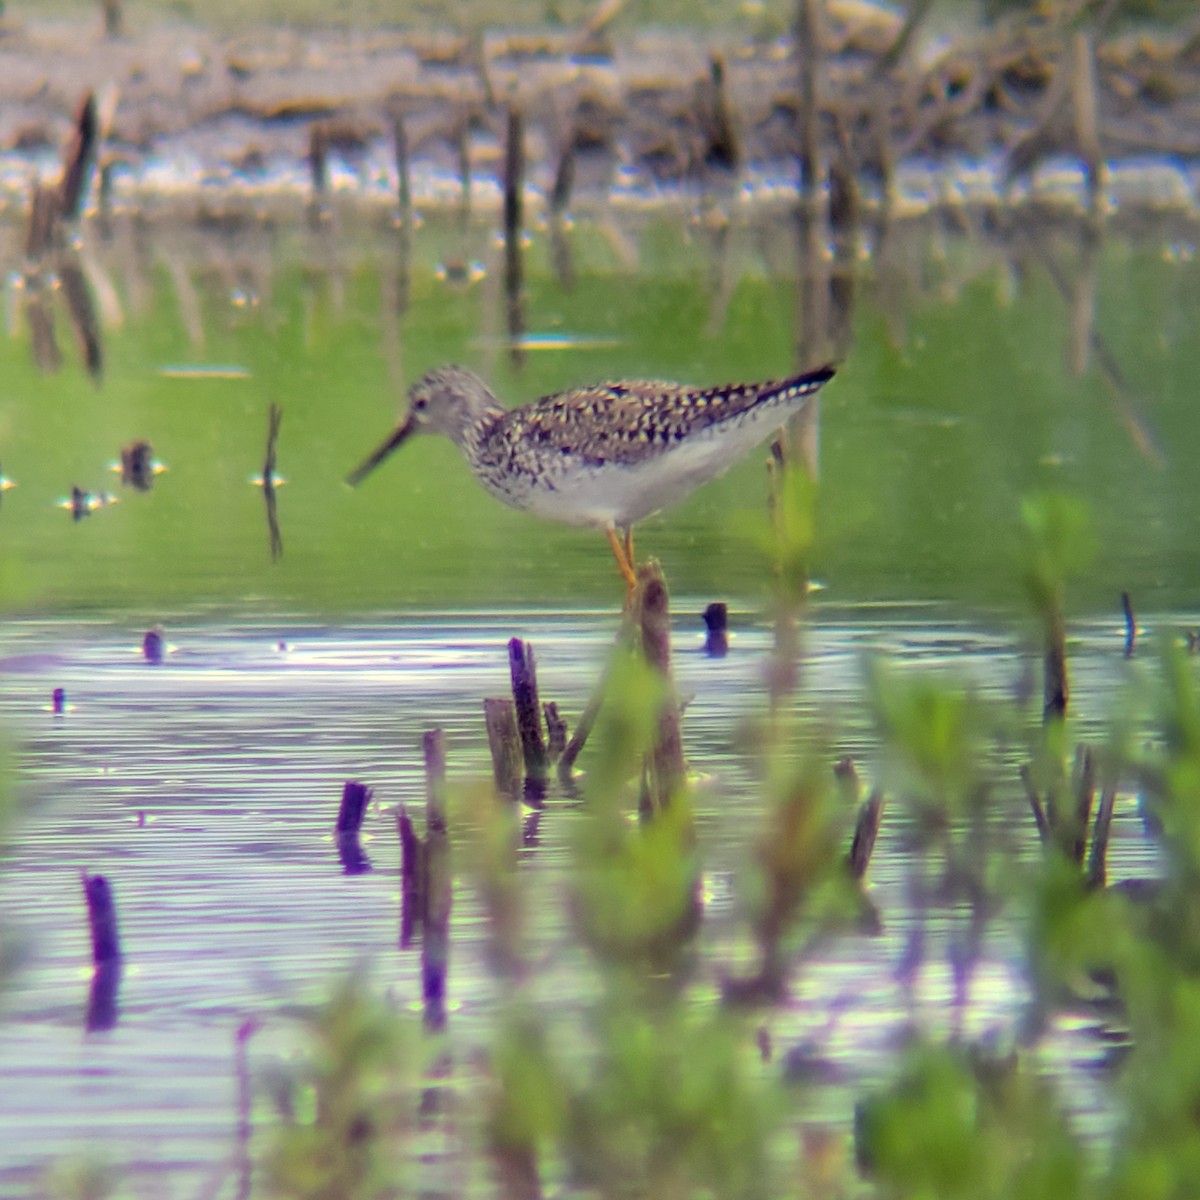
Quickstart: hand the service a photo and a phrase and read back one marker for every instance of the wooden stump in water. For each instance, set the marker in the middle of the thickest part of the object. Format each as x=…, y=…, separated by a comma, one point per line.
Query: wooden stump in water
x=355, y=798
x=665, y=768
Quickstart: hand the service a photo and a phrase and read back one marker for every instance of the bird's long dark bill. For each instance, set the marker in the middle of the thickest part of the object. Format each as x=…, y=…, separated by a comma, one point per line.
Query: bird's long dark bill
x=397, y=439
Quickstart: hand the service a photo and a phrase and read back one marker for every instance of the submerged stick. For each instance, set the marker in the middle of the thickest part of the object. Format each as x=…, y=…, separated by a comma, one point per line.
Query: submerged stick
x=666, y=771
x=437, y=884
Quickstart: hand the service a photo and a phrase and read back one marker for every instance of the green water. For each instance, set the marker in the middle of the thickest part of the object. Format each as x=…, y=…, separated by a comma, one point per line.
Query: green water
x=955, y=398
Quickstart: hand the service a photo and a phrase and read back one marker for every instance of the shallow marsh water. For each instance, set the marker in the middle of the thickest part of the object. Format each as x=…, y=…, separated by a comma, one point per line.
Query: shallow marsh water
x=956, y=398
x=205, y=789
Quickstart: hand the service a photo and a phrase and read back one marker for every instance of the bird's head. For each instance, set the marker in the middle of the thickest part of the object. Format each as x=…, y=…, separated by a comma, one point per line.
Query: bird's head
x=447, y=400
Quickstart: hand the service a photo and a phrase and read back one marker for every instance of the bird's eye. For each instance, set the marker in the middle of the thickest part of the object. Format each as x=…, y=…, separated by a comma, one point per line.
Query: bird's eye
x=420, y=404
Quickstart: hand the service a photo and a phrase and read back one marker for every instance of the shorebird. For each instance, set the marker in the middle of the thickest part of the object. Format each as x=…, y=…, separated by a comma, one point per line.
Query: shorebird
x=608, y=454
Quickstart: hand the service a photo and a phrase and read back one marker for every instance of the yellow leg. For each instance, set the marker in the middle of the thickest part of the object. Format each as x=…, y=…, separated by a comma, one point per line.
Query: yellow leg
x=629, y=549
x=622, y=553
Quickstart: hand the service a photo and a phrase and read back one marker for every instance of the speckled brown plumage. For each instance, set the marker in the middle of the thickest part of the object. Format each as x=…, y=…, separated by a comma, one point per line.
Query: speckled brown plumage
x=609, y=454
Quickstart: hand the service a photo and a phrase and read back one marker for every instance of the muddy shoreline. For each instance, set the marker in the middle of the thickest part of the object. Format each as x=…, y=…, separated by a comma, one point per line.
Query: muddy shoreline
x=1003, y=111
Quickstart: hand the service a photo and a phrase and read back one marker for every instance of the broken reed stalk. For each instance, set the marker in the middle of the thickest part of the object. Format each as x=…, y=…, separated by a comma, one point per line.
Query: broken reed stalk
x=783, y=667
x=410, y=877
x=243, y=1160
x=274, y=421
x=1035, y=805
x=583, y=727
x=556, y=730
x=564, y=176
x=723, y=149
x=666, y=771
x=436, y=883
x=403, y=177
x=39, y=313
x=106, y=953
x=1084, y=777
x=504, y=741
x=82, y=314
x=811, y=216
x=808, y=43
x=716, y=626
x=355, y=798
x=1064, y=822
x=79, y=160
x=1085, y=104
x=866, y=830
x=42, y=226
x=102, y=919
x=1097, y=867
x=1130, y=624
x=114, y=21
x=318, y=160
x=917, y=12
x=523, y=671
x=463, y=144
x=1054, y=658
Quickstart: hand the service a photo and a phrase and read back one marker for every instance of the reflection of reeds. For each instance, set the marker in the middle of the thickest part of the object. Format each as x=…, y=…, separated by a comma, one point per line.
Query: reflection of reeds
x=270, y=480
x=514, y=184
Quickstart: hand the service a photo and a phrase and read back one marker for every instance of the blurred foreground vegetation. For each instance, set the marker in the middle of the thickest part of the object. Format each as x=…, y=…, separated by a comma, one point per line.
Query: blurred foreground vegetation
x=662, y=1078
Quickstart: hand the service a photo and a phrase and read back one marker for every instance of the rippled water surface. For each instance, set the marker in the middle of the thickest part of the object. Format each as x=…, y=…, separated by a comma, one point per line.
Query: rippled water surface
x=206, y=788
